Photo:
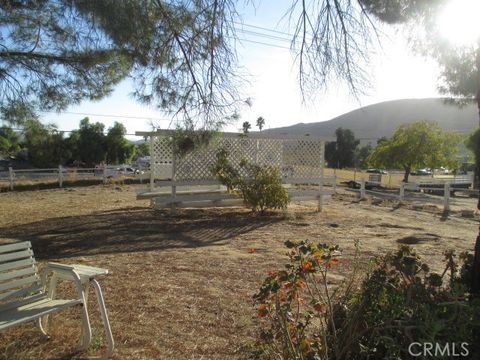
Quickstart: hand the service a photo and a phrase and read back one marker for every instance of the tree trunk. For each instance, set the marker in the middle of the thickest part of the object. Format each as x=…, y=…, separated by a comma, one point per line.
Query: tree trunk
x=476, y=259
x=407, y=173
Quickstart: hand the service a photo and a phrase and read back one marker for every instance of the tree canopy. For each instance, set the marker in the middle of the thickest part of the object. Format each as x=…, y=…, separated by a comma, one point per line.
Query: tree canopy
x=46, y=147
x=9, y=141
x=341, y=154
x=57, y=53
x=417, y=145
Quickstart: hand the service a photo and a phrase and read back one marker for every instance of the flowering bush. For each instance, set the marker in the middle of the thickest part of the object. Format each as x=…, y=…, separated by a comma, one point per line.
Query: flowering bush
x=299, y=309
x=303, y=316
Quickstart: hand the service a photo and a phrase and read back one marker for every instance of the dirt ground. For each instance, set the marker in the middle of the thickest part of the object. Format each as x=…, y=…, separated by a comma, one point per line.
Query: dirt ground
x=180, y=287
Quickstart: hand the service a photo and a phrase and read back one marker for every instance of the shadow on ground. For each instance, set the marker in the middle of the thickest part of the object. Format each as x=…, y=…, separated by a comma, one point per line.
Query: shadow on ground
x=135, y=229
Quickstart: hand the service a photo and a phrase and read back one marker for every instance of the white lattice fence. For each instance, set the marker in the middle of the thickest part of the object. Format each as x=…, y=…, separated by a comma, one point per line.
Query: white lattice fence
x=300, y=160
x=296, y=158
x=161, y=157
x=198, y=165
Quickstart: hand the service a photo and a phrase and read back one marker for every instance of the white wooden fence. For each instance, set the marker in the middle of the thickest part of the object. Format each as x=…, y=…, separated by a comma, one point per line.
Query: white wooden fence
x=15, y=177
x=410, y=192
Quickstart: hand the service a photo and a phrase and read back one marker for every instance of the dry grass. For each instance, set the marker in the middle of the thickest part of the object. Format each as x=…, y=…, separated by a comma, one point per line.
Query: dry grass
x=181, y=287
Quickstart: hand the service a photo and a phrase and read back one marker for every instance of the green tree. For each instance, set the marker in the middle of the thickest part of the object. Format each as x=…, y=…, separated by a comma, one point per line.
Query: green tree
x=119, y=150
x=88, y=143
x=246, y=126
x=45, y=145
x=417, y=145
x=260, y=123
x=382, y=139
x=341, y=154
x=9, y=141
x=361, y=155
x=142, y=149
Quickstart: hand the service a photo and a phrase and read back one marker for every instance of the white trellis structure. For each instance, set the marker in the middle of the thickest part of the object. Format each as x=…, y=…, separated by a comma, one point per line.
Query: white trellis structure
x=188, y=181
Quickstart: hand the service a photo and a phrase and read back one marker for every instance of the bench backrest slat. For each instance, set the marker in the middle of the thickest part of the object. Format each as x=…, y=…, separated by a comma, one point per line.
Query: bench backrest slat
x=24, y=245
x=17, y=283
x=9, y=275
x=12, y=265
x=16, y=255
x=18, y=272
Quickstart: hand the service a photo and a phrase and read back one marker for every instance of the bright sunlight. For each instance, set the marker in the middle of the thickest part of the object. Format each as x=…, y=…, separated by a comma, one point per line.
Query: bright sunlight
x=458, y=22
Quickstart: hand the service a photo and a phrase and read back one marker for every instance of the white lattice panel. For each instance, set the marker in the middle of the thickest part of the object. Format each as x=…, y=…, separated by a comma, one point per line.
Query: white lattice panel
x=198, y=165
x=298, y=158
x=302, y=158
x=161, y=157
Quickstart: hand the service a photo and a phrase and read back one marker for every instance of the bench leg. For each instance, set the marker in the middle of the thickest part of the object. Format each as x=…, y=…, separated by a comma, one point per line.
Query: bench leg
x=86, y=335
x=106, y=323
x=44, y=322
x=40, y=326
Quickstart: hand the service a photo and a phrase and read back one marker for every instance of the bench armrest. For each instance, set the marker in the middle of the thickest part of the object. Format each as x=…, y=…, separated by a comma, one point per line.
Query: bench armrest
x=64, y=272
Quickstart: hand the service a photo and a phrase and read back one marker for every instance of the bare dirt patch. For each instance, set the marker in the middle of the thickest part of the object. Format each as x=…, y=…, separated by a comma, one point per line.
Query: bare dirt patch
x=181, y=286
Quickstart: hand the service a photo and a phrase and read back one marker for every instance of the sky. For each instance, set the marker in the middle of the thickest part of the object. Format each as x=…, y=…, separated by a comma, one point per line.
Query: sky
x=396, y=73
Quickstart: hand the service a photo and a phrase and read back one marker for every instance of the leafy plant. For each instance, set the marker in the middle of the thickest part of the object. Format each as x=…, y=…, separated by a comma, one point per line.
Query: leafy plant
x=260, y=186
x=301, y=312
x=401, y=301
x=187, y=140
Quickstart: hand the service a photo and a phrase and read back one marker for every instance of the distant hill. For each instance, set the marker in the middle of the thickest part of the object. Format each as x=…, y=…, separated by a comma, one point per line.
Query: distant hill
x=371, y=122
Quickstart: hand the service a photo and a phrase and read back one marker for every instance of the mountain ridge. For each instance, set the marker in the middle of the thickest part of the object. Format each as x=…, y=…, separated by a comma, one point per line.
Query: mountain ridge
x=371, y=122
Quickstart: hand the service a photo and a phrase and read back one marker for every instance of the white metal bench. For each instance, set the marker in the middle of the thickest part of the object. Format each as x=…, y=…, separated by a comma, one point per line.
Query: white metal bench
x=25, y=296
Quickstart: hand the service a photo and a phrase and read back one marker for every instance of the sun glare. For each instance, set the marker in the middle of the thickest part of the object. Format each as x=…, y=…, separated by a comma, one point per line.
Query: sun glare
x=459, y=22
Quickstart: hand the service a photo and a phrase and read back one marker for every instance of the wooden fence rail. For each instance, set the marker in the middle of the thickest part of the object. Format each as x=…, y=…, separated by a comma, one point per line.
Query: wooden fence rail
x=14, y=177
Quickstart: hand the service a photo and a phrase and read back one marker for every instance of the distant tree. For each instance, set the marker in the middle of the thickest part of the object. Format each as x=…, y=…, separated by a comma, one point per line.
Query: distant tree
x=142, y=149
x=46, y=146
x=88, y=143
x=341, y=154
x=331, y=154
x=417, y=145
x=361, y=155
x=382, y=139
x=246, y=126
x=119, y=150
x=260, y=123
x=9, y=141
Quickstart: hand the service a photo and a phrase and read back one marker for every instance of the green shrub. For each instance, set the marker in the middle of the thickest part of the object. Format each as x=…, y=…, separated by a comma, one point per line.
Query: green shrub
x=399, y=302
x=260, y=186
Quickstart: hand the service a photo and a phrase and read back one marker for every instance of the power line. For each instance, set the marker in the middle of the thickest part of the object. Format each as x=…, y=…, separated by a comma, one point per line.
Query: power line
x=264, y=35
x=108, y=115
x=265, y=44
x=263, y=28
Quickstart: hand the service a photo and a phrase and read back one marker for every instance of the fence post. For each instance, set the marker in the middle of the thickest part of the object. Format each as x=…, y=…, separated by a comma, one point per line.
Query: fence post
x=334, y=184
x=173, y=209
x=402, y=191
x=320, y=184
x=152, y=162
x=446, y=197
x=104, y=174
x=362, y=189
x=60, y=176
x=11, y=176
